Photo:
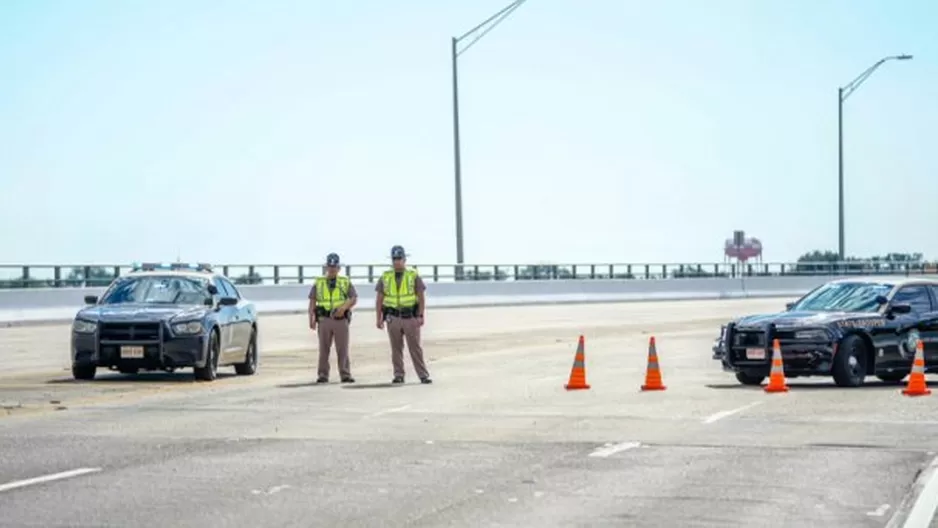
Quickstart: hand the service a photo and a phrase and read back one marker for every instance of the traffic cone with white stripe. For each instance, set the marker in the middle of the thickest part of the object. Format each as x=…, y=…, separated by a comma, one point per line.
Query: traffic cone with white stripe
x=653, y=371
x=777, y=381
x=917, y=385
x=578, y=372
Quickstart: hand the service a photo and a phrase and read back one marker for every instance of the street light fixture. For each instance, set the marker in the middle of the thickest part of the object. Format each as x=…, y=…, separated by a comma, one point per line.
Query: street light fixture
x=488, y=25
x=842, y=94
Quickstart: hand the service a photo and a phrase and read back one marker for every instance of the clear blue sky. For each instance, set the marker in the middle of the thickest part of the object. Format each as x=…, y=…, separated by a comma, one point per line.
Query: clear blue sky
x=625, y=131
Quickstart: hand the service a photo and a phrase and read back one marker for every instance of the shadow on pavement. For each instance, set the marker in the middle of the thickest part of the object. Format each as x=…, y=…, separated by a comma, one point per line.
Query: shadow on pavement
x=387, y=385
x=143, y=377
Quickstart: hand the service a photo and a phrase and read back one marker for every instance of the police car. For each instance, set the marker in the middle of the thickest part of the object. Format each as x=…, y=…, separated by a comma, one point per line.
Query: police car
x=166, y=317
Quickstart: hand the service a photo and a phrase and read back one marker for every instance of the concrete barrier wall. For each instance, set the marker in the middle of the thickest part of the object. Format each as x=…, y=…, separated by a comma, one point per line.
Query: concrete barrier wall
x=60, y=304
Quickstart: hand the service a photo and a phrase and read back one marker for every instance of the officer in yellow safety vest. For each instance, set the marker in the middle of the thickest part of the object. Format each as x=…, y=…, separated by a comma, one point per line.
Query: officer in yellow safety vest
x=330, y=308
x=401, y=303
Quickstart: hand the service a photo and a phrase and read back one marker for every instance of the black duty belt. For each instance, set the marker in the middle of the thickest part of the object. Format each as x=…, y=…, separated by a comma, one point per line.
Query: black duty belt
x=322, y=313
x=403, y=313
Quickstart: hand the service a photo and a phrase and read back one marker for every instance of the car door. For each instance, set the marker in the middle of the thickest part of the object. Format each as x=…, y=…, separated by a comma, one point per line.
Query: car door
x=241, y=325
x=227, y=319
x=919, y=297
x=929, y=331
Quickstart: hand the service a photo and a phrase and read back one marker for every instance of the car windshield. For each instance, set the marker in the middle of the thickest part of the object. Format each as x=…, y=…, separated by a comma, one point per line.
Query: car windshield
x=844, y=297
x=157, y=289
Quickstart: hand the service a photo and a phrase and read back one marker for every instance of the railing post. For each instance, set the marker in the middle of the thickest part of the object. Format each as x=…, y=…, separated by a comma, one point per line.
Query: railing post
x=299, y=274
x=26, y=280
x=276, y=274
x=58, y=276
x=371, y=273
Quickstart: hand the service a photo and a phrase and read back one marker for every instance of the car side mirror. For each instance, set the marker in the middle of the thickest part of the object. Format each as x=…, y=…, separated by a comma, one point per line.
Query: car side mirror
x=212, y=290
x=900, y=308
x=227, y=301
x=91, y=299
x=788, y=306
x=209, y=301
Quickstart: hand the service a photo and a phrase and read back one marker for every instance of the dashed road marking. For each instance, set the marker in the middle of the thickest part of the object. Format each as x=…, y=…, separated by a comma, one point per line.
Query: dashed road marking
x=389, y=411
x=723, y=414
x=609, y=450
x=47, y=478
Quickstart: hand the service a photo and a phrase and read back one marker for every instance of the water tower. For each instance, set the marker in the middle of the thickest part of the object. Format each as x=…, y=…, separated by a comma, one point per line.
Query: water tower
x=742, y=249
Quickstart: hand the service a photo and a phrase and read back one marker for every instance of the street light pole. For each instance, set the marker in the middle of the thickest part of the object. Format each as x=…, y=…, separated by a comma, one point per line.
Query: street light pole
x=488, y=25
x=842, y=94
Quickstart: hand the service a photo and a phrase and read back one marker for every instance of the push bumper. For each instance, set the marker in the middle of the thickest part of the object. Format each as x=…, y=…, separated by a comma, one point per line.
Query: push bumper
x=171, y=353
x=799, y=358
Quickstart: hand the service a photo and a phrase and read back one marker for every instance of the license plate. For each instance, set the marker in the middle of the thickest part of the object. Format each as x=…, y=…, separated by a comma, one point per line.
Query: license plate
x=132, y=352
x=755, y=353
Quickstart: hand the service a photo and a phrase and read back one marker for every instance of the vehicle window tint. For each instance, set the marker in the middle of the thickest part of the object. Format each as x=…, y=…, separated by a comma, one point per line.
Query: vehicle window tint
x=232, y=291
x=222, y=291
x=934, y=290
x=916, y=296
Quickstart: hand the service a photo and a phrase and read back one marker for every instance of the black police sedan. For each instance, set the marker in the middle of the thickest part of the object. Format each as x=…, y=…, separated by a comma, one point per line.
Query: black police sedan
x=164, y=318
x=847, y=328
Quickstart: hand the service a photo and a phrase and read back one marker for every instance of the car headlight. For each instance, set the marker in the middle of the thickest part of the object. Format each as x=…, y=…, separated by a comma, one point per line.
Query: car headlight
x=812, y=335
x=84, y=327
x=189, y=328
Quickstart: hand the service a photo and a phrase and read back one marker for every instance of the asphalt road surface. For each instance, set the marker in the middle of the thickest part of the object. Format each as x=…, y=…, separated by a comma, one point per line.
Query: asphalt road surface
x=495, y=441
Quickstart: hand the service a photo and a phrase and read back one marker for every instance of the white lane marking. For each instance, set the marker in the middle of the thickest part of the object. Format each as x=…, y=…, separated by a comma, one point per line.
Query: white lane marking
x=47, y=478
x=926, y=505
x=879, y=512
x=271, y=491
x=608, y=450
x=723, y=414
x=389, y=411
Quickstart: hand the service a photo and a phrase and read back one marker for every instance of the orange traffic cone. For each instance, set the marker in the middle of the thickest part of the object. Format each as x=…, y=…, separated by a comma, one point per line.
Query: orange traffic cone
x=777, y=375
x=578, y=372
x=917, y=385
x=652, y=372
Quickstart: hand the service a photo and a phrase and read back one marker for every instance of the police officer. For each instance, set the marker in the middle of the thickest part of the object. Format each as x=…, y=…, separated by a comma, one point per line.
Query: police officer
x=330, y=308
x=401, y=303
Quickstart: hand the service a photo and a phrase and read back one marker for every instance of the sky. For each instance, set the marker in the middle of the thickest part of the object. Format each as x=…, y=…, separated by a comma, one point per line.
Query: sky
x=621, y=131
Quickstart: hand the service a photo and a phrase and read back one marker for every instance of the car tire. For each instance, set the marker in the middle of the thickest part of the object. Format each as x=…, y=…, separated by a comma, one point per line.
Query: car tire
x=749, y=378
x=849, y=369
x=210, y=371
x=249, y=367
x=892, y=377
x=84, y=372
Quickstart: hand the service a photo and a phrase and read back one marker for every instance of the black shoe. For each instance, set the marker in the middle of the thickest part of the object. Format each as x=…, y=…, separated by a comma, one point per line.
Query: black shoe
x=322, y=380
x=398, y=379
x=348, y=380
x=426, y=381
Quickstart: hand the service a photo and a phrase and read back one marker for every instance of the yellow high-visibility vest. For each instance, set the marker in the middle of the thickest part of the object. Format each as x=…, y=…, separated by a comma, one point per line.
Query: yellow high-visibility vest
x=327, y=299
x=406, y=296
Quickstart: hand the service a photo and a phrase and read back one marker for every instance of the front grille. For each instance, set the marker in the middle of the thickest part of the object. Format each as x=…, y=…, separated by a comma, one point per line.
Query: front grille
x=752, y=339
x=129, y=332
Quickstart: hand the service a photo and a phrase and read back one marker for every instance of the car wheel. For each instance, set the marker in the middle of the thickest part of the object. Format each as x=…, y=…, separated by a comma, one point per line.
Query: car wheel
x=849, y=368
x=893, y=377
x=749, y=378
x=210, y=371
x=84, y=372
x=249, y=367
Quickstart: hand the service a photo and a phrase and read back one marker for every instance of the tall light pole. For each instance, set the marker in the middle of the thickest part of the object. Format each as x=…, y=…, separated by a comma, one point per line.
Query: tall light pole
x=488, y=25
x=842, y=94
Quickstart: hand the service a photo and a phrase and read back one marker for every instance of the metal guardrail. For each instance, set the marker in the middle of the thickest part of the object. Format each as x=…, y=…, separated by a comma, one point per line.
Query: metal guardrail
x=97, y=275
